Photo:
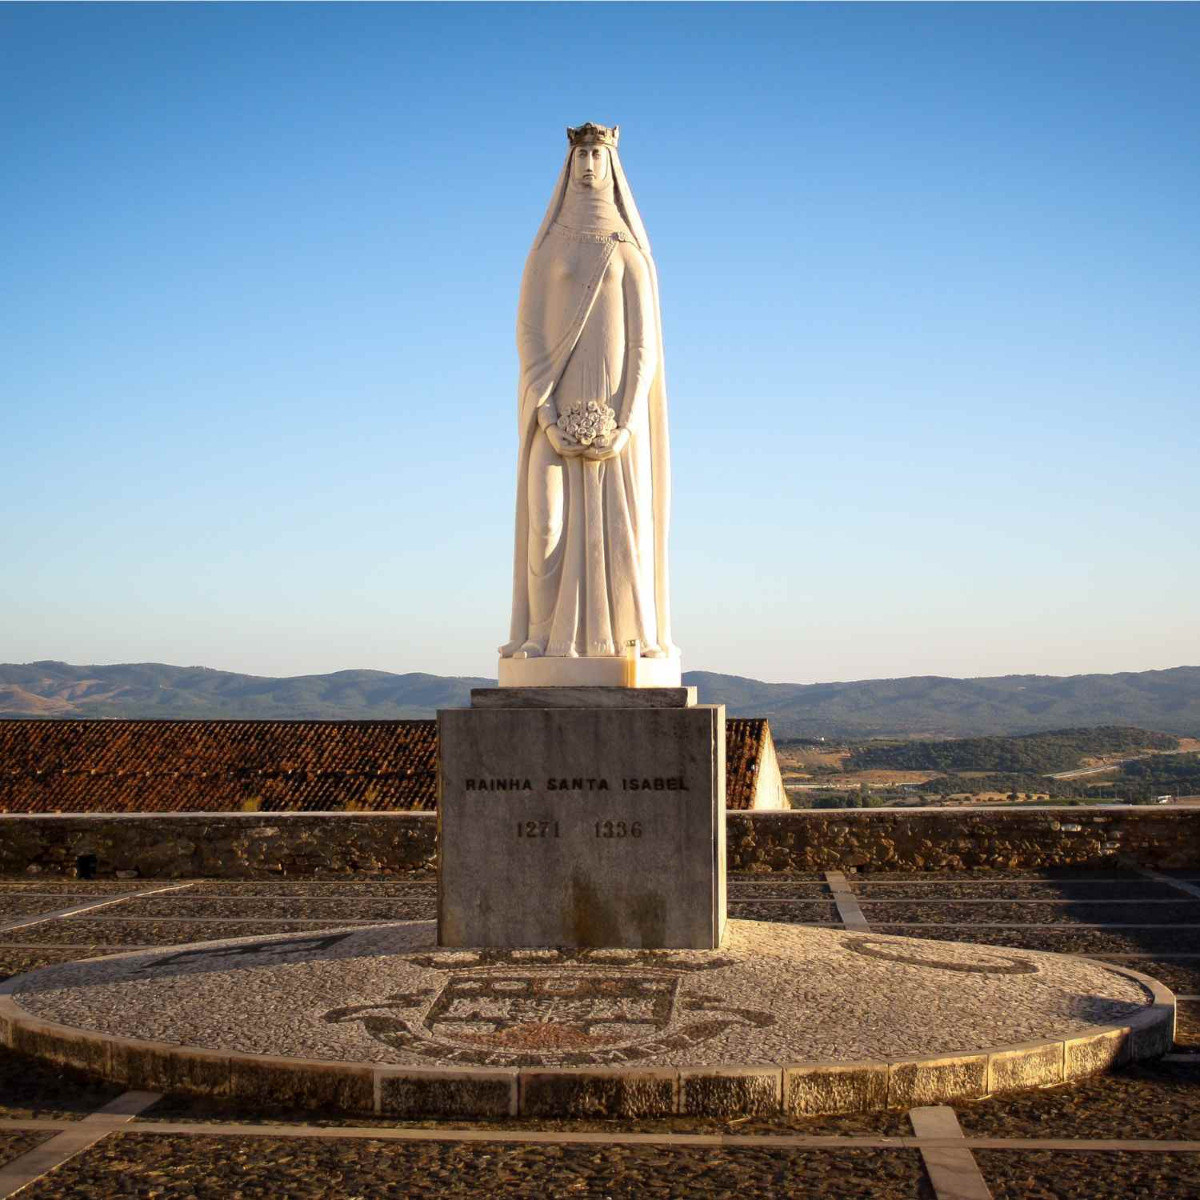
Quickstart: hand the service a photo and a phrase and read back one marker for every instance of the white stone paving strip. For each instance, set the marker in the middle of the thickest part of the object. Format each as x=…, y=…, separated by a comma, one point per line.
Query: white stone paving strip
x=847, y=903
x=75, y=910
x=30, y=1167
x=400, y=1133
x=952, y=1168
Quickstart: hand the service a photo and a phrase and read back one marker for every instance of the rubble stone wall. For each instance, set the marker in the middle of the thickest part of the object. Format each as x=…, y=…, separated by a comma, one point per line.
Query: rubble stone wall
x=326, y=845
x=220, y=845
x=949, y=838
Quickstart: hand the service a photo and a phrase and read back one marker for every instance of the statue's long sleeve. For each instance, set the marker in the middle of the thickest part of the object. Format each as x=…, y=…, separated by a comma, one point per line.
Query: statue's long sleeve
x=535, y=355
x=641, y=338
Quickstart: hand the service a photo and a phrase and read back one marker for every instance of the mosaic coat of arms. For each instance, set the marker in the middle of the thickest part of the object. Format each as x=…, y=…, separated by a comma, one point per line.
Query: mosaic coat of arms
x=560, y=1008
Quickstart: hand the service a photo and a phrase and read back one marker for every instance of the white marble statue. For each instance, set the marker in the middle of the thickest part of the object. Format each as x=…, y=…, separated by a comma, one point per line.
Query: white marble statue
x=593, y=474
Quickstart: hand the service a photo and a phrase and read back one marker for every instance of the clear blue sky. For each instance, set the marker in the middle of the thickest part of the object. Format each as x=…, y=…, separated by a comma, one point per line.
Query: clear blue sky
x=931, y=296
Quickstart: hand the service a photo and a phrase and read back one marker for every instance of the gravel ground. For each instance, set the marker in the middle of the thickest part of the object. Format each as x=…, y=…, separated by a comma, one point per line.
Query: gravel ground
x=300, y=1169
x=323, y=908
x=79, y=930
x=1049, y=914
x=1064, y=939
x=1057, y=1175
x=29, y=1088
x=13, y=1145
x=1017, y=891
x=1151, y=1100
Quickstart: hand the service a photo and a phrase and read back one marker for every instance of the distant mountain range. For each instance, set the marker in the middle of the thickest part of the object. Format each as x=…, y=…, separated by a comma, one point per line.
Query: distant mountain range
x=926, y=705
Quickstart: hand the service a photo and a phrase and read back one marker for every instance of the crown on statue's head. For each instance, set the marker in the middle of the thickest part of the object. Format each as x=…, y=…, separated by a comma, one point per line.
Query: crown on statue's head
x=594, y=135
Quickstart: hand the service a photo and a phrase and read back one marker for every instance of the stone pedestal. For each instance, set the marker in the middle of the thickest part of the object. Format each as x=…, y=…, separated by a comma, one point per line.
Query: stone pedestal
x=564, y=822
x=590, y=672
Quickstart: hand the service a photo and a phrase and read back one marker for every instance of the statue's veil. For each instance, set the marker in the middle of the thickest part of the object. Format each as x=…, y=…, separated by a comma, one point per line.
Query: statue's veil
x=622, y=196
x=659, y=455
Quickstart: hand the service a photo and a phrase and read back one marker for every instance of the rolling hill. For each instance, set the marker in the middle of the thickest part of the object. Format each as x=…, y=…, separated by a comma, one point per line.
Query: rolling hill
x=926, y=706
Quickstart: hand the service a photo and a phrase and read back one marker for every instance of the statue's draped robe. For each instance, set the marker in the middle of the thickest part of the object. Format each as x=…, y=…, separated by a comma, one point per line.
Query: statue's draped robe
x=590, y=559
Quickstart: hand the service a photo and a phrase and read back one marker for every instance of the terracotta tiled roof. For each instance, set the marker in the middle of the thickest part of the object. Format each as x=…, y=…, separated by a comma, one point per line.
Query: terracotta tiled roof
x=268, y=766
x=217, y=766
x=743, y=754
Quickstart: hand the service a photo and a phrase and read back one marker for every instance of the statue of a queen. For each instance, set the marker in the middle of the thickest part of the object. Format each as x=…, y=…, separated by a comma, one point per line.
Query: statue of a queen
x=593, y=473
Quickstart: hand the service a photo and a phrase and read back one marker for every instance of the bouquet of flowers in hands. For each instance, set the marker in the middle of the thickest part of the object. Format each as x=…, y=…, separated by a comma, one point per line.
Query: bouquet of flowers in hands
x=588, y=424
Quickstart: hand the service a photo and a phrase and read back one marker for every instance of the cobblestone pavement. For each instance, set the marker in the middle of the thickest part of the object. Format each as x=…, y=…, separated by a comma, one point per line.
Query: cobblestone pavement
x=14, y=1144
x=1181, y=975
x=1183, y=913
x=1187, y=1024
x=1059, y=1175
x=1053, y=875
x=122, y=931
x=169, y=1167
x=995, y=890
x=793, y=912
x=16, y=961
x=294, y=908
x=92, y=889
x=1157, y=1101
x=1067, y=939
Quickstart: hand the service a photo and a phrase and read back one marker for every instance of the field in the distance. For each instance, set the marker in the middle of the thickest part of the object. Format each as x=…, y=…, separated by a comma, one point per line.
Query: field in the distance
x=1071, y=766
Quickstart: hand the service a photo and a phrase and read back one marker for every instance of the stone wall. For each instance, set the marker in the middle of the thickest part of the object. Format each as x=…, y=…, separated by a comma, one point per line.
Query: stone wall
x=315, y=845
x=950, y=838
x=220, y=845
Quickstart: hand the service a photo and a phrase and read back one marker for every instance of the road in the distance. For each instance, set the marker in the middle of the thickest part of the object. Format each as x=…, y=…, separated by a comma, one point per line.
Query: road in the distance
x=1112, y=766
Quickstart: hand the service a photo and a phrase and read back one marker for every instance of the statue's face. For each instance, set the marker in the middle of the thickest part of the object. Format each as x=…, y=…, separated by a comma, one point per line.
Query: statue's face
x=590, y=167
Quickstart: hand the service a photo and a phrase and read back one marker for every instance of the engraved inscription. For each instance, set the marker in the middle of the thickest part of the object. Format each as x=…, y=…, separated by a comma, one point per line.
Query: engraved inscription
x=581, y=783
x=618, y=829
x=537, y=829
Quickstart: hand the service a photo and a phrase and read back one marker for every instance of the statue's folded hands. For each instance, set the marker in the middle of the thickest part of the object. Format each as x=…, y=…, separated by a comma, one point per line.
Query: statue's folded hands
x=563, y=445
x=598, y=453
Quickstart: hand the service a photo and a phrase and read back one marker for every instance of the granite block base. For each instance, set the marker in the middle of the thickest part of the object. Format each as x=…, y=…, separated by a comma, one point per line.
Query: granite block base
x=582, y=827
